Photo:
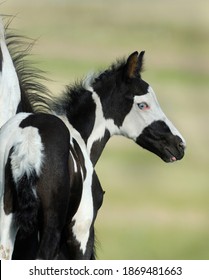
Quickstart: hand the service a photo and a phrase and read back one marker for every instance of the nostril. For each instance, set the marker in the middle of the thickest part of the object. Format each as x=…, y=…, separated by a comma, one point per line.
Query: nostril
x=182, y=145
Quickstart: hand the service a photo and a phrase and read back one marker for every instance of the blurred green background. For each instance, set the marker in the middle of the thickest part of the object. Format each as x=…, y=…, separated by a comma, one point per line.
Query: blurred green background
x=152, y=210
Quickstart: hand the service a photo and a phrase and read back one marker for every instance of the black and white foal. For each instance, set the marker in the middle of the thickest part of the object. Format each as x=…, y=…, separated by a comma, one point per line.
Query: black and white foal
x=118, y=102
x=115, y=102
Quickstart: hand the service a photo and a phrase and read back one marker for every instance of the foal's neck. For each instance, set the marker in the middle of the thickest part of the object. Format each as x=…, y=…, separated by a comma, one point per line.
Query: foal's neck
x=85, y=115
x=99, y=134
x=85, y=106
x=91, y=125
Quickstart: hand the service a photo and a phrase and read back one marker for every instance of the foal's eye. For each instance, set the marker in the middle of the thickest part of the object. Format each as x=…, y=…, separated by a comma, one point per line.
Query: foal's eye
x=143, y=105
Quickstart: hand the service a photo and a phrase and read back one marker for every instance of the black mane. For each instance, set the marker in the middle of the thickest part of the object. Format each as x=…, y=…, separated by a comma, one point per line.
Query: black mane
x=112, y=70
x=77, y=93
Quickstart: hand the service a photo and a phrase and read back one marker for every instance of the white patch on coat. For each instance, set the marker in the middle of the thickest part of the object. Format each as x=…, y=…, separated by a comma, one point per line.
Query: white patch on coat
x=9, y=84
x=101, y=124
x=74, y=163
x=9, y=135
x=27, y=156
x=136, y=120
x=84, y=216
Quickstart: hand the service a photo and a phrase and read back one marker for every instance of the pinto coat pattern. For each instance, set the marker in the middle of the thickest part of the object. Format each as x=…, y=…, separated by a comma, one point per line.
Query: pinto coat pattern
x=46, y=170
x=49, y=191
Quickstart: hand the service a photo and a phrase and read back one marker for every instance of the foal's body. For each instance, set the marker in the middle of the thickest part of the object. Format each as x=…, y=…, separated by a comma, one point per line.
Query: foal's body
x=51, y=183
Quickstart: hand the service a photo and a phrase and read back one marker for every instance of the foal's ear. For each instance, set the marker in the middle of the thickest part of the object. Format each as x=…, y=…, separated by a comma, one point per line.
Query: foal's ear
x=134, y=64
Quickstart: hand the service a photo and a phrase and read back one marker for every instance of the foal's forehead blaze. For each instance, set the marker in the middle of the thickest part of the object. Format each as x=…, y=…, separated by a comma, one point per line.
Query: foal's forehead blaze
x=149, y=97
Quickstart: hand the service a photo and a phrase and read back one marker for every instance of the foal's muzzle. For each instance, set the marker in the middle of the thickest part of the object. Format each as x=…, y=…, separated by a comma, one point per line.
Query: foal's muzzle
x=158, y=139
x=174, y=149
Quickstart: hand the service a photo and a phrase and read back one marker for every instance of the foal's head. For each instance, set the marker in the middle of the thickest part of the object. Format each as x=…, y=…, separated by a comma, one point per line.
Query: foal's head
x=135, y=111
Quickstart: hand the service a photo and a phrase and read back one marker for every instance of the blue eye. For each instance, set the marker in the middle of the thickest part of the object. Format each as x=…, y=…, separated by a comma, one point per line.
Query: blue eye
x=143, y=105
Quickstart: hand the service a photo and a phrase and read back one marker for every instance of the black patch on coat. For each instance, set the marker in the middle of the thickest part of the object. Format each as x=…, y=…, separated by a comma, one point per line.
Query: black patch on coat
x=158, y=138
x=79, y=107
x=98, y=147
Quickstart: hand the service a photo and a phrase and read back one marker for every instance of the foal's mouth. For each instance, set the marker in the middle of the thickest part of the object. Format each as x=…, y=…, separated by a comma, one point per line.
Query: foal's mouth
x=170, y=157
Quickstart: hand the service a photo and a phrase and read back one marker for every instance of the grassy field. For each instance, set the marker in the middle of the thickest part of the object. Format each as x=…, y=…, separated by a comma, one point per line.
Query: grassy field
x=151, y=210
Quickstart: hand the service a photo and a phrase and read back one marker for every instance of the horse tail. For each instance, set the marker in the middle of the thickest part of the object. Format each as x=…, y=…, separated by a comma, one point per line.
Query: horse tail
x=27, y=202
x=26, y=164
